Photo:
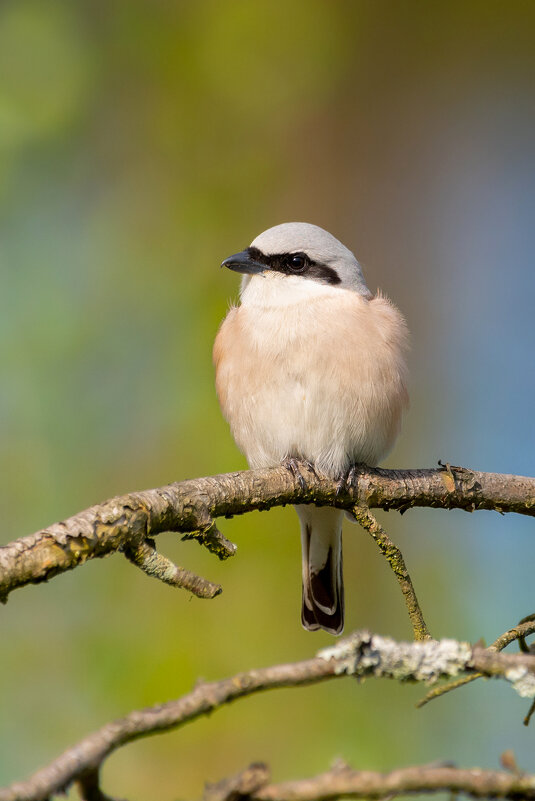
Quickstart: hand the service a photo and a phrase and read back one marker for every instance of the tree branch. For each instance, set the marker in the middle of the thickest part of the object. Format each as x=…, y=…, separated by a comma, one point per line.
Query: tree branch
x=341, y=781
x=360, y=655
x=125, y=523
x=396, y=561
x=522, y=629
x=146, y=557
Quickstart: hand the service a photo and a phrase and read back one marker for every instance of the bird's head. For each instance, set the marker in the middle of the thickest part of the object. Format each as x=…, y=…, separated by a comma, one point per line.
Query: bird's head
x=300, y=252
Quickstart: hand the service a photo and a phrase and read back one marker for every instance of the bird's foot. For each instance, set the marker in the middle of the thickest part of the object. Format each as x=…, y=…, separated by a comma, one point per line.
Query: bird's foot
x=346, y=479
x=292, y=464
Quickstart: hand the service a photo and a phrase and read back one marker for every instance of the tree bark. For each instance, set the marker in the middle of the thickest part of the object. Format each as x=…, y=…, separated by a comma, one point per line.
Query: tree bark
x=128, y=523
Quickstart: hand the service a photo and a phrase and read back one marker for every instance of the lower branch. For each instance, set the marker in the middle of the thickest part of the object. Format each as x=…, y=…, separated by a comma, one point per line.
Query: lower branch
x=360, y=655
x=524, y=628
x=343, y=782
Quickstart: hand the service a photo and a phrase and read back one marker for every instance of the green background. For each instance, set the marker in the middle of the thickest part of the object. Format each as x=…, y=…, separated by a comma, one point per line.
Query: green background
x=140, y=144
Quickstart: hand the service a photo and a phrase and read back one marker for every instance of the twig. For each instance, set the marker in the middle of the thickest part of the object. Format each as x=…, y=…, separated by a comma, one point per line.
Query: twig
x=190, y=507
x=241, y=785
x=89, y=787
x=146, y=557
x=362, y=654
x=436, y=692
x=397, y=563
x=522, y=630
x=529, y=715
x=522, y=644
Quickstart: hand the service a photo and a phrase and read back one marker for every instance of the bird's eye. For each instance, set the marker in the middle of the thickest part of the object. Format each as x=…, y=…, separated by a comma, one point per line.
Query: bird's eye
x=297, y=262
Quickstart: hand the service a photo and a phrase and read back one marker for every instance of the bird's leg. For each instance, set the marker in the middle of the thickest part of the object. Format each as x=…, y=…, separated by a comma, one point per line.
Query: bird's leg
x=346, y=479
x=292, y=464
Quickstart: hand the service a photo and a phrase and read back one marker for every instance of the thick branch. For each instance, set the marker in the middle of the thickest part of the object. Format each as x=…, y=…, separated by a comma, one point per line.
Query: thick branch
x=190, y=507
x=361, y=654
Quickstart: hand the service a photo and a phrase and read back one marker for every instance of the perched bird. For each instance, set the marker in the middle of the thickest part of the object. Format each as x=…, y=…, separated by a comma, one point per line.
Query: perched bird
x=310, y=366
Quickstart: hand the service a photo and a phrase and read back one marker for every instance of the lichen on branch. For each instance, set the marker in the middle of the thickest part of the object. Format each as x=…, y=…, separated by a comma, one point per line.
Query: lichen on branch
x=124, y=524
x=361, y=655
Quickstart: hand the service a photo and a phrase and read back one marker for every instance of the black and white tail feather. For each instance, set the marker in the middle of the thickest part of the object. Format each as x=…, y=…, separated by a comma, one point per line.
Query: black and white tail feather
x=323, y=589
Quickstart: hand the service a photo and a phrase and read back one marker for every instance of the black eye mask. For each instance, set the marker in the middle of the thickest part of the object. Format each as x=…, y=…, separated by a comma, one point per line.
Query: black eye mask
x=296, y=264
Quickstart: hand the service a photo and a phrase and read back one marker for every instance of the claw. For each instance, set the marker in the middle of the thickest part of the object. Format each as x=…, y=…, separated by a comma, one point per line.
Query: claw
x=346, y=479
x=292, y=465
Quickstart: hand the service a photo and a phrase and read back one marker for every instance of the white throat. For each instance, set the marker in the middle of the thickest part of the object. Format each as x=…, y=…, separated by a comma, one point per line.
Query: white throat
x=273, y=290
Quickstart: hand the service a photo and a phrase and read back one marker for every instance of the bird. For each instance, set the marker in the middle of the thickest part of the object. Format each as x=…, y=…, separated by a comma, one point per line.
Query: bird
x=311, y=366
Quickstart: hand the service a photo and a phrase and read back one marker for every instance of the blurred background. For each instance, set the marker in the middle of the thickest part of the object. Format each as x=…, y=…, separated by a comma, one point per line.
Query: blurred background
x=140, y=144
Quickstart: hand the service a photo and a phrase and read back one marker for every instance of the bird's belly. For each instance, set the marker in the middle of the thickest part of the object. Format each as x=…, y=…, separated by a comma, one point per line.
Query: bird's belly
x=278, y=422
x=318, y=390
x=306, y=411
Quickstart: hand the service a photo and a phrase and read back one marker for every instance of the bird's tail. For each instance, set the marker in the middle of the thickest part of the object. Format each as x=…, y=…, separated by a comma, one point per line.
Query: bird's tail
x=323, y=588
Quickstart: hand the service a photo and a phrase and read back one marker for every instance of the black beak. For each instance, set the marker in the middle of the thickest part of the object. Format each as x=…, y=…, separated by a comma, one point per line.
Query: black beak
x=244, y=263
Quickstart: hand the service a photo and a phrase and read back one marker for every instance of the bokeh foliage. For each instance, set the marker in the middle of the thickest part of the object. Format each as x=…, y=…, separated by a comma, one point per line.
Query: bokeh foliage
x=142, y=142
